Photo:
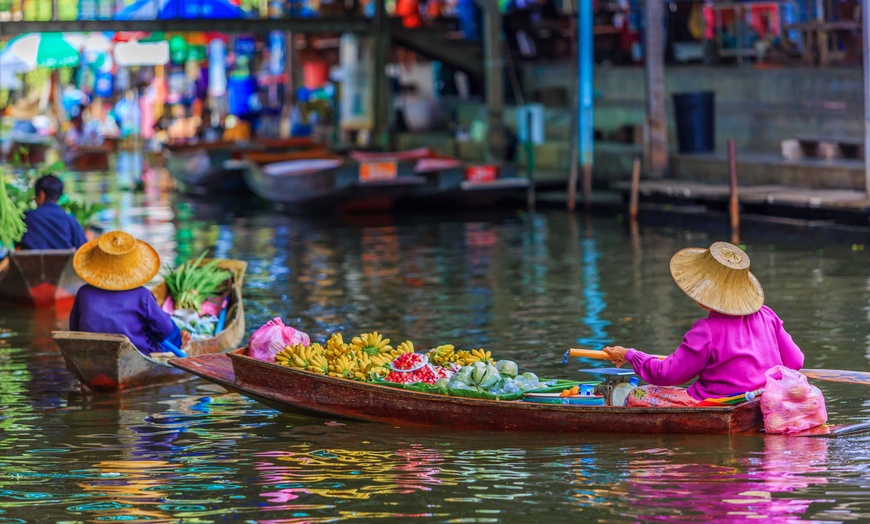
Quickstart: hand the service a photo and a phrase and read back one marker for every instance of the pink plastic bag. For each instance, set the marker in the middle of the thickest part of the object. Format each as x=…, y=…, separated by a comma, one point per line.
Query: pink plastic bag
x=272, y=337
x=789, y=403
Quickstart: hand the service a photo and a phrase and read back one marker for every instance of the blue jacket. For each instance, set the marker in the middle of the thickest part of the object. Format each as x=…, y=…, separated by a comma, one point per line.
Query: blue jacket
x=50, y=227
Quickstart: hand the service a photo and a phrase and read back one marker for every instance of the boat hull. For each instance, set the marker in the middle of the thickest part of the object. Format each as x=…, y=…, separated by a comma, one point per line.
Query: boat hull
x=88, y=158
x=327, y=183
x=207, y=169
x=298, y=391
x=450, y=188
x=111, y=363
x=39, y=278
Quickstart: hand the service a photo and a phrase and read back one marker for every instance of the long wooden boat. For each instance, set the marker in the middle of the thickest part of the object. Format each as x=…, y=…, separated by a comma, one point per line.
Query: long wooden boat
x=263, y=158
x=88, y=158
x=39, y=277
x=331, y=183
x=308, y=393
x=29, y=152
x=205, y=168
x=451, y=184
x=108, y=362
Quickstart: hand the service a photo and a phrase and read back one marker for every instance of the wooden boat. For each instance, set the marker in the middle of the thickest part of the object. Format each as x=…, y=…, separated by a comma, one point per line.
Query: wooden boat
x=304, y=392
x=331, y=183
x=107, y=362
x=28, y=152
x=89, y=158
x=263, y=158
x=205, y=168
x=39, y=277
x=452, y=184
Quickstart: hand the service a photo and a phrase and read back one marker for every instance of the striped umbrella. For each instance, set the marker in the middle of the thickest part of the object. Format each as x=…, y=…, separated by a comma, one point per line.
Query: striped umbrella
x=49, y=50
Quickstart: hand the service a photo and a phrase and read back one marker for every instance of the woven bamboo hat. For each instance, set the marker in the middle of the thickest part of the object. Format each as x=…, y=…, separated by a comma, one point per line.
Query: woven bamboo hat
x=116, y=261
x=718, y=278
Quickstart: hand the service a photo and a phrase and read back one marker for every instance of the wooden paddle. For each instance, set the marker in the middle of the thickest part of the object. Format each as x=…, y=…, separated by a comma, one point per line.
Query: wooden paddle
x=831, y=375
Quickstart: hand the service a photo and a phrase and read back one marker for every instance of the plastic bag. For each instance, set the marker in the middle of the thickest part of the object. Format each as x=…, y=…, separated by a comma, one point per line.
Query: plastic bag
x=272, y=337
x=789, y=403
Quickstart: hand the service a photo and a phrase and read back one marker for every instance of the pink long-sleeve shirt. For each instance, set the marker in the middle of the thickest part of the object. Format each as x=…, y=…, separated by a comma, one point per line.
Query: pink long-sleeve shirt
x=728, y=354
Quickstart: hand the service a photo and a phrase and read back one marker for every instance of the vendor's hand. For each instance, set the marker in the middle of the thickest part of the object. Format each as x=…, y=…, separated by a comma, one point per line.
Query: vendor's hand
x=616, y=354
x=185, y=337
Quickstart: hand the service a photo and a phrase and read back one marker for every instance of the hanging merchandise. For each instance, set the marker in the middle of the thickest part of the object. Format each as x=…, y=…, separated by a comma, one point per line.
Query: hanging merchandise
x=276, y=52
x=175, y=81
x=104, y=84
x=217, y=71
x=245, y=45
x=178, y=49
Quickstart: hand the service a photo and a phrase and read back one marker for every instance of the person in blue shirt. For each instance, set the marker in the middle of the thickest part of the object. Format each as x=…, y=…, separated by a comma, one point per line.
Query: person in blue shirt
x=115, y=267
x=49, y=226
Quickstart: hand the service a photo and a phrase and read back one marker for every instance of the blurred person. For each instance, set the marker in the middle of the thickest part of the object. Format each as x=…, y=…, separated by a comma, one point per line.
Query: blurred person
x=49, y=226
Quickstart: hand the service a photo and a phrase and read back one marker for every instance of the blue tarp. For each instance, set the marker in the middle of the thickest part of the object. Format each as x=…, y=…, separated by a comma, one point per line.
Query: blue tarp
x=185, y=9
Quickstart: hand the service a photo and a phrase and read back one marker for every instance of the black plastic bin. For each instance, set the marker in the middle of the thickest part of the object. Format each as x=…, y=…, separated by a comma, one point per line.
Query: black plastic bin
x=695, y=115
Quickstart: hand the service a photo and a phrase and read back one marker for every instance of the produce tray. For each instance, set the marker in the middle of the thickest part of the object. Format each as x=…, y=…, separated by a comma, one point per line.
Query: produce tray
x=426, y=388
x=556, y=398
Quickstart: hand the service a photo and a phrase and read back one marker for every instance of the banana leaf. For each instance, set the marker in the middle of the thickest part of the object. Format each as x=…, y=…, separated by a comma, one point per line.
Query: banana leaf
x=468, y=393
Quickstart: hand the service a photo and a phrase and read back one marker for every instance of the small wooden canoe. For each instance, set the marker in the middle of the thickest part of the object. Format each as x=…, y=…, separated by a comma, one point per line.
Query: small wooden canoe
x=308, y=393
x=39, y=277
x=271, y=157
x=205, y=168
x=331, y=183
x=88, y=158
x=454, y=185
x=108, y=362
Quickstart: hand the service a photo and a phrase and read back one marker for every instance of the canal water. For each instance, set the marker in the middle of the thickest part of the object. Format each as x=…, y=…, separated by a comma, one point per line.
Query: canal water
x=525, y=286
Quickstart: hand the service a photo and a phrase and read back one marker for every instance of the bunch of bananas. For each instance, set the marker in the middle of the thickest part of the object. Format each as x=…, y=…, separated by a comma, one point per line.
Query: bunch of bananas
x=312, y=358
x=367, y=357
x=371, y=344
x=446, y=354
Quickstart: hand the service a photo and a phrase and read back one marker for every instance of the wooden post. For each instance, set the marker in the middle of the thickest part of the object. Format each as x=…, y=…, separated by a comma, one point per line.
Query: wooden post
x=574, y=133
x=733, y=204
x=493, y=69
x=380, y=89
x=530, y=161
x=635, y=189
x=654, y=46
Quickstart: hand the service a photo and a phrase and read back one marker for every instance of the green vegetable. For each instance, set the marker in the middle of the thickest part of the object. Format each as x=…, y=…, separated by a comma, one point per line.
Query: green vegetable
x=83, y=212
x=484, y=375
x=12, y=226
x=193, y=282
x=507, y=368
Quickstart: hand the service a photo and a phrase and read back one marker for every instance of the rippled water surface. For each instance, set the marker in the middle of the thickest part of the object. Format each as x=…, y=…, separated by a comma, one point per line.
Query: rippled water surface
x=524, y=286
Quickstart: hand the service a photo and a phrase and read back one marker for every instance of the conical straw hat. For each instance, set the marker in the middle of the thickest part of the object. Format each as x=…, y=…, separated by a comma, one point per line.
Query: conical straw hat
x=116, y=261
x=718, y=278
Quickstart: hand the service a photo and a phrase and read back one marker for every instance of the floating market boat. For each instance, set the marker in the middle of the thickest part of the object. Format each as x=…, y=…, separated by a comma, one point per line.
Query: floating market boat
x=205, y=168
x=452, y=184
x=39, y=277
x=271, y=157
x=29, y=152
x=108, y=362
x=331, y=183
x=88, y=158
x=304, y=392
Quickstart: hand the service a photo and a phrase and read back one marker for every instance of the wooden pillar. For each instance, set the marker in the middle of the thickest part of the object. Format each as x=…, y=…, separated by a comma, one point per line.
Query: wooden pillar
x=380, y=87
x=493, y=69
x=657, y=122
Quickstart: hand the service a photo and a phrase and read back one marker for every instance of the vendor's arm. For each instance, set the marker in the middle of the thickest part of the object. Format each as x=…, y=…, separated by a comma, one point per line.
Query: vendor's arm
x=684, y=364
x=792, y=356
x=159, y=322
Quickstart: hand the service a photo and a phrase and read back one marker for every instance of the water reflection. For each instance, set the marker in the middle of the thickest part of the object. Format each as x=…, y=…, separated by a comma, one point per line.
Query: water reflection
x=524, y=286
x=727, y=486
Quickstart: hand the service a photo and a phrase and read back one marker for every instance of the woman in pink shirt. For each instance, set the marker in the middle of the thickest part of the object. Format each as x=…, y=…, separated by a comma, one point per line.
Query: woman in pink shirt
x=728, y=351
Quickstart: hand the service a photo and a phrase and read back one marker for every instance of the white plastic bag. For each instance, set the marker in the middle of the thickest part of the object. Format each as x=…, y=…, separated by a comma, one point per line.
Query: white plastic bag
x=272, y=337
x=790, y=404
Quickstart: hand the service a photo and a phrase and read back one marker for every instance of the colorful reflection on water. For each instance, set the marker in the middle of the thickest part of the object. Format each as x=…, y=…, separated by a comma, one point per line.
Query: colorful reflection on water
x=524, y=286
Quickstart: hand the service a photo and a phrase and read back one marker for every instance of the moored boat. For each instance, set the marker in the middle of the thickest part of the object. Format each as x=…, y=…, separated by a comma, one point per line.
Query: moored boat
x=331, y=183
x=206, y=167
x=39, y=277
x=88, y=158
x=263, y=158
x=452, y=184
x=304, y=392
x=108, y=362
